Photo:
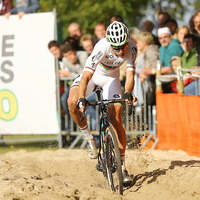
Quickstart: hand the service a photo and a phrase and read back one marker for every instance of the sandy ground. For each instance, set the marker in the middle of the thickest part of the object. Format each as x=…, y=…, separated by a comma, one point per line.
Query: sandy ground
x=70, y=174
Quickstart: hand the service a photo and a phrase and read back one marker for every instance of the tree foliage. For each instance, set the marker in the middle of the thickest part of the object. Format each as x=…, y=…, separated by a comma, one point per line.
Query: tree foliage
x=176, y=8
x=88, y=12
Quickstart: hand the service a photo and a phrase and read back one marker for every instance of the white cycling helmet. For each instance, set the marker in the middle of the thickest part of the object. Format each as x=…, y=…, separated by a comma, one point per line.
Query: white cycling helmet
x=117, y=34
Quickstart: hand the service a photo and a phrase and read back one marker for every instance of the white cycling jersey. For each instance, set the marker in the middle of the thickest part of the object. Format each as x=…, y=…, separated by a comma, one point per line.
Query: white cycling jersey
x=106, y=61
x=104, y=65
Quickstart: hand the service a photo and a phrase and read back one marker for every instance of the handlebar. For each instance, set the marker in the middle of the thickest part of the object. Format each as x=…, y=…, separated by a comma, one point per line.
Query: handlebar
x=95, y=103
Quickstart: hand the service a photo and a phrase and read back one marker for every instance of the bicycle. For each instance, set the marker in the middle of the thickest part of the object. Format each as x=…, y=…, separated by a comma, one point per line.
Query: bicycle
x=109, y=161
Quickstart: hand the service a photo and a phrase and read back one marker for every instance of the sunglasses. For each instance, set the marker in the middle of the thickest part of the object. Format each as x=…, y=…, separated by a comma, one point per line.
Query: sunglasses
x=119, y=48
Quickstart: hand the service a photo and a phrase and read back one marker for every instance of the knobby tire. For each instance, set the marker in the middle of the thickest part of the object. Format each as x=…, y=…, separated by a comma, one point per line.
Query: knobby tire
x=113, y=165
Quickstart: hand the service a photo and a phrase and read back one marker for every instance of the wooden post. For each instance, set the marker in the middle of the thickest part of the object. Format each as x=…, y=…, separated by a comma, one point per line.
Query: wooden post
x=180, y=76
x=158, y=73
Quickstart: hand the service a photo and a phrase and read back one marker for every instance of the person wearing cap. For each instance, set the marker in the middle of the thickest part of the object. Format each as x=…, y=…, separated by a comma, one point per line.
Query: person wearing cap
x=169, y=47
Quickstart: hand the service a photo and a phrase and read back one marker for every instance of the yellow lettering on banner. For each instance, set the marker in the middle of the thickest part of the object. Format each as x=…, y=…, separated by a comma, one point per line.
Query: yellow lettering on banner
x=6, y=95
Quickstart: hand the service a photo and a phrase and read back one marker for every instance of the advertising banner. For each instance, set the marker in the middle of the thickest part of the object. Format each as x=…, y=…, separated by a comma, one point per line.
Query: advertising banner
x=27, y=75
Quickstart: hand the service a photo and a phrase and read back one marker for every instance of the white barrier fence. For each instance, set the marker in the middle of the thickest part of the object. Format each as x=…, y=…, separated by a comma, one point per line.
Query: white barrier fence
x=28, y=102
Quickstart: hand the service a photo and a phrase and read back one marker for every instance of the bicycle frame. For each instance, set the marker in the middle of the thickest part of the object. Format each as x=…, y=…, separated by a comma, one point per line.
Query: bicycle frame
x=104, y=122
x=108, y=144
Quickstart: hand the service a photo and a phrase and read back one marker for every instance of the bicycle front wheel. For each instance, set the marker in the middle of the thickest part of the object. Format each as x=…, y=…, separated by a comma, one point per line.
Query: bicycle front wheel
x=113, y=164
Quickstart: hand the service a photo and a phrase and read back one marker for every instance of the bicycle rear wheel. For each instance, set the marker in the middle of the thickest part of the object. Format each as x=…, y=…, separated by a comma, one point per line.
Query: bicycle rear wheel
x=113, y=164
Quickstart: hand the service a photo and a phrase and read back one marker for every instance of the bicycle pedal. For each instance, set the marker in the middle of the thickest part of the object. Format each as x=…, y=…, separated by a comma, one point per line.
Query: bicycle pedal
x=99, y=167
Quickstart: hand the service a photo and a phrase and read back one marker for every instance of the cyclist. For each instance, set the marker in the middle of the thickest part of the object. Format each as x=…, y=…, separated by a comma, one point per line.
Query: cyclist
x=102, y=68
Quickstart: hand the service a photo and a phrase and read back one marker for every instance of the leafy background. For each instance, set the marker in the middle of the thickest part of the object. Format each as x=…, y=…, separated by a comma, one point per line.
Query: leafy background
x=88, y=12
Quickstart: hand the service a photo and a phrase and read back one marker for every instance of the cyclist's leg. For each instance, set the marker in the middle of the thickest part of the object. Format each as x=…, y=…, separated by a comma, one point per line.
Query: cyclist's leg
x=114, y=112
x=76, y=115
x=72, y=101
x=112, y=90
x=74, y=112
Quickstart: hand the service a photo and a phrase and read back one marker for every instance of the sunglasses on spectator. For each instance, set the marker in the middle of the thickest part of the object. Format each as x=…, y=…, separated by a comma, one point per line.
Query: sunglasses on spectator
x=120, y=47
x=166, y=36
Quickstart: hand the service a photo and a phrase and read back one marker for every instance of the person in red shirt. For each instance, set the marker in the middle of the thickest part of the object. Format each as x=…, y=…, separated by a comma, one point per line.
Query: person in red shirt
x=5, y=6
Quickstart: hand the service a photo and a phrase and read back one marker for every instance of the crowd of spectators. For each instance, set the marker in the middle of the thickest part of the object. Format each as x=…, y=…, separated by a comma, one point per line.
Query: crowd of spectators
x=171, y=44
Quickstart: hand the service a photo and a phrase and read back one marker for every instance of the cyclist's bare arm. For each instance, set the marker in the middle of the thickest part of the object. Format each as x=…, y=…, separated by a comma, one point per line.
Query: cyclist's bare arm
x=130, y=82
x=129, y=86
x=83, y=83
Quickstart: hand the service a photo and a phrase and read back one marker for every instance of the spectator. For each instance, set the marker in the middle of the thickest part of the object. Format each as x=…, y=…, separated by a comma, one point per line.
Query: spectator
x=148, y=26
x=134, y=32
x=186, y=80
x=172, y=25
x=191, y=24
x=73, y=42
x=54, y=48
x=5, y=6
x=196, y=21
x=189, y=58
x=181, y=31
x=146, y=44
x=100, y=30
x=116, y=18
x=191, y=88
x=73, y=62
x=169, y=47
x=173, y=62
x=163, y=17
x=23, y=7
x=87, y=43
x=75, y=31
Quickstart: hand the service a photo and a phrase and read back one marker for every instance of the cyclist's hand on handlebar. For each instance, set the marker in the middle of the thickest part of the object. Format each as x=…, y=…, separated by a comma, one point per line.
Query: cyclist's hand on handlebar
x=82, y=104
x=129, y=98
